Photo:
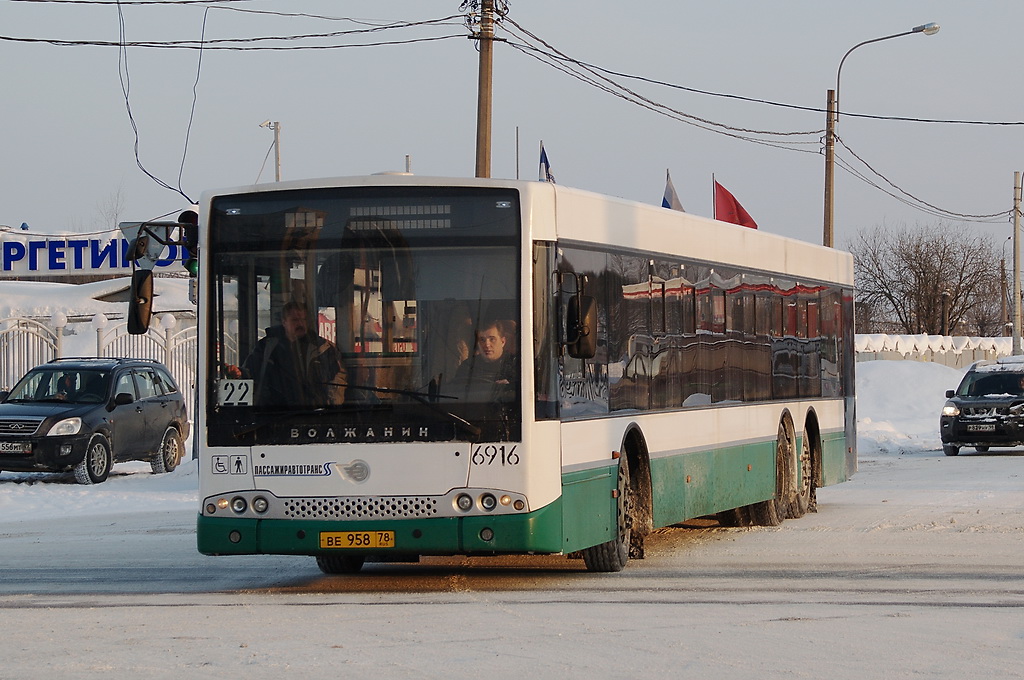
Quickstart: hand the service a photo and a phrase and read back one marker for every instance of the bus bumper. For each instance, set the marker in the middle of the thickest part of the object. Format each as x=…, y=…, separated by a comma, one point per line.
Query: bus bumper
x=535, y=532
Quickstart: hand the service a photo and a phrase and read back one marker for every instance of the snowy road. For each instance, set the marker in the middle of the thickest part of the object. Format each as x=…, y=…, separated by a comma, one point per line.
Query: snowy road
x=911, y=569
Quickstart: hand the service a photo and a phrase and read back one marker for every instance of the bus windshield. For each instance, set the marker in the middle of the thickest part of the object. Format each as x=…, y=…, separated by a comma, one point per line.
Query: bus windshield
x=378, y=314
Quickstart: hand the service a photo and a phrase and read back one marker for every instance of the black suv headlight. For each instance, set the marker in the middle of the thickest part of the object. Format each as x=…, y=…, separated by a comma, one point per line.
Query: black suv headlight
x=63, y=428
x=950, y=409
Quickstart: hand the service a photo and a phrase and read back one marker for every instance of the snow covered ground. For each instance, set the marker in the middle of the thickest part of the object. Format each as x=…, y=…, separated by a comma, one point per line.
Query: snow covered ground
x=912, y=569
x=897, y=408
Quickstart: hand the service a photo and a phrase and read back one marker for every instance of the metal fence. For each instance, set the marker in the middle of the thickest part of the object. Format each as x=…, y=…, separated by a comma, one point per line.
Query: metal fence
x=25, y=343
x=953, y=351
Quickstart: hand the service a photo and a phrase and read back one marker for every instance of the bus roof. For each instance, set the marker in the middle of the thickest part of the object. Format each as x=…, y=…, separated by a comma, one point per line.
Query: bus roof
x=584, y=217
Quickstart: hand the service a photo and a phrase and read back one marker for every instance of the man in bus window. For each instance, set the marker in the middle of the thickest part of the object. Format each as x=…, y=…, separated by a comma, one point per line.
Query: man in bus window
x=493, y=372
x=293, y=367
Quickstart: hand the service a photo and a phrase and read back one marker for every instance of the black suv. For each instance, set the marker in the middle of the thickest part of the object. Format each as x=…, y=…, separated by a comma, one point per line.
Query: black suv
x=86, y=414
x=987, y=409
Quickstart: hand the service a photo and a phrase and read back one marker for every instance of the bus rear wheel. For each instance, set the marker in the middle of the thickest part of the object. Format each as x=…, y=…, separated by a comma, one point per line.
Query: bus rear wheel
x=613, y=555
x=800, y=502
x=771, y=512
x=340, y=564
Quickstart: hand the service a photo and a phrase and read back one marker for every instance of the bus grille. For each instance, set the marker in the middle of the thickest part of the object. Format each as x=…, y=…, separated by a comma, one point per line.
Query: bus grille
x=354, y=507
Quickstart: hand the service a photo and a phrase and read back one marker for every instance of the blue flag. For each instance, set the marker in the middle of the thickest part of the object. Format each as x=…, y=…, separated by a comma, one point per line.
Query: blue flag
x=671, y=199
x=544, y=174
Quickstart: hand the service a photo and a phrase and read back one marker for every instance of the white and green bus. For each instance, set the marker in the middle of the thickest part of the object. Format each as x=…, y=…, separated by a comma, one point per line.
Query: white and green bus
x=655, y=367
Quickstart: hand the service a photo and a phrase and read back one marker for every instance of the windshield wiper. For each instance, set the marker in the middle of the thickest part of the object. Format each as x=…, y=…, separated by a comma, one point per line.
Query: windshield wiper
x=422, y=397
x=256, y=426
x=428, y=399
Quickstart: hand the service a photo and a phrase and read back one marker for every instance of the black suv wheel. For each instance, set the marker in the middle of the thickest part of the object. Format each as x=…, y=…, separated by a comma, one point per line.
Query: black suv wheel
x=95, y=467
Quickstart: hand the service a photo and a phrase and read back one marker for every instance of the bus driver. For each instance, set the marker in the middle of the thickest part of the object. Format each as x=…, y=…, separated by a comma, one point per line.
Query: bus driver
x=293, y=367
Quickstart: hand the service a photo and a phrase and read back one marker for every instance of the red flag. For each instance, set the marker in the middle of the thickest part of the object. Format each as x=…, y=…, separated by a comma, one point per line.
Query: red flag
x=728, y=209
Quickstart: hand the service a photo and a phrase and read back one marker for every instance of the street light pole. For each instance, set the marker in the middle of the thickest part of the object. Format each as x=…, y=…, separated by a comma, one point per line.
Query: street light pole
x=832, y=119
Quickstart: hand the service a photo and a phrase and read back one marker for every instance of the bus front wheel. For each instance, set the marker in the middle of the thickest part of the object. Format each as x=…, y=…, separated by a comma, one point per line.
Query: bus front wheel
x=613, y=555
x=340, y=564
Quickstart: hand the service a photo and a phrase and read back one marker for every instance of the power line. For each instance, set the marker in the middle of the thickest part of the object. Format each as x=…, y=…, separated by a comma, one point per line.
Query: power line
x=193, y=45
x=564, y=63
x=130, y=2
x=796, y=107
x=591, y=74
x=125, y=78
x=918, y=201
x=586, y=75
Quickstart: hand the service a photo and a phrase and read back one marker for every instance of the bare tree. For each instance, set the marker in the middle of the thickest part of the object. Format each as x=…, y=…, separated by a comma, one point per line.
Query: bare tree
x=919, y=278
x=109, y=211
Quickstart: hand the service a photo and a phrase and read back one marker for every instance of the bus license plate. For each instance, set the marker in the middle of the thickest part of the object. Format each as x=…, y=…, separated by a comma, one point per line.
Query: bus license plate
x=15, y=447
x=357, y=539
x=982, y=427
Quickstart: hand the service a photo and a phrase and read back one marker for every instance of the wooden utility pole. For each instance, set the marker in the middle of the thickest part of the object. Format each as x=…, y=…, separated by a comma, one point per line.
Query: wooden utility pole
x=1004, y=320
x=483, y=108
x=1016, y=264
x=830, y=170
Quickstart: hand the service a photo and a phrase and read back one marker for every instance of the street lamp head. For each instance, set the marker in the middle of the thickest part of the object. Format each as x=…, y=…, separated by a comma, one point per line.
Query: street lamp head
x=927, y=29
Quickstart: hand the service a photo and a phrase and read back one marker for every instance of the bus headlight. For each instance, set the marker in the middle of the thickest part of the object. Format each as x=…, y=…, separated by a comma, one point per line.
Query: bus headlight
x=238, y=504
x=260, y=504
x=488, y=502
x=464, y=502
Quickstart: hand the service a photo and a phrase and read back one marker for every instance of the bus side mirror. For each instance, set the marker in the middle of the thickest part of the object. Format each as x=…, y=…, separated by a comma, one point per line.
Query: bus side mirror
x=581, y=327
x=140, y=302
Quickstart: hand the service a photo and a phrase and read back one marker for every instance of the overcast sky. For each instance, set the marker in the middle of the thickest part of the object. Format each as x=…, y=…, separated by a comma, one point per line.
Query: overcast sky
x=68, y=141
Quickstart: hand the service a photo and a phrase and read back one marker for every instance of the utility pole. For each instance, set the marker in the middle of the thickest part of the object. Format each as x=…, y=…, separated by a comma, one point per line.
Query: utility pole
x=944, y=330
x=830, y=168
x=1004, y=320
x=276, y=127
x=483, y=108
x=1016, y=264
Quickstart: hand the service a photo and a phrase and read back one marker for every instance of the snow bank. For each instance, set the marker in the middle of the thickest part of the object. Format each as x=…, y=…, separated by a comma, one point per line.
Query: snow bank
x=898, y=405
x=43, y=299
x=131, y=487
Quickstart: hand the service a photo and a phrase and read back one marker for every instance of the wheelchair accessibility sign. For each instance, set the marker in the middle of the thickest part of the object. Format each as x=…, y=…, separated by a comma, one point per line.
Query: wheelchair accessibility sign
x=231, y=465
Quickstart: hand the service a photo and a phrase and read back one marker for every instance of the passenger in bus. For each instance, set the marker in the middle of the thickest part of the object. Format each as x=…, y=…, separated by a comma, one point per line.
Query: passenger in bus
x=491, y=373
x=293, y=367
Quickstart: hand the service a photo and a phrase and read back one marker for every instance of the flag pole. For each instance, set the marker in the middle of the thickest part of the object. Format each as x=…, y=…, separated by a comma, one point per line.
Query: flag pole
x=517, y=153
x=714, y=203
x=539, y=153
